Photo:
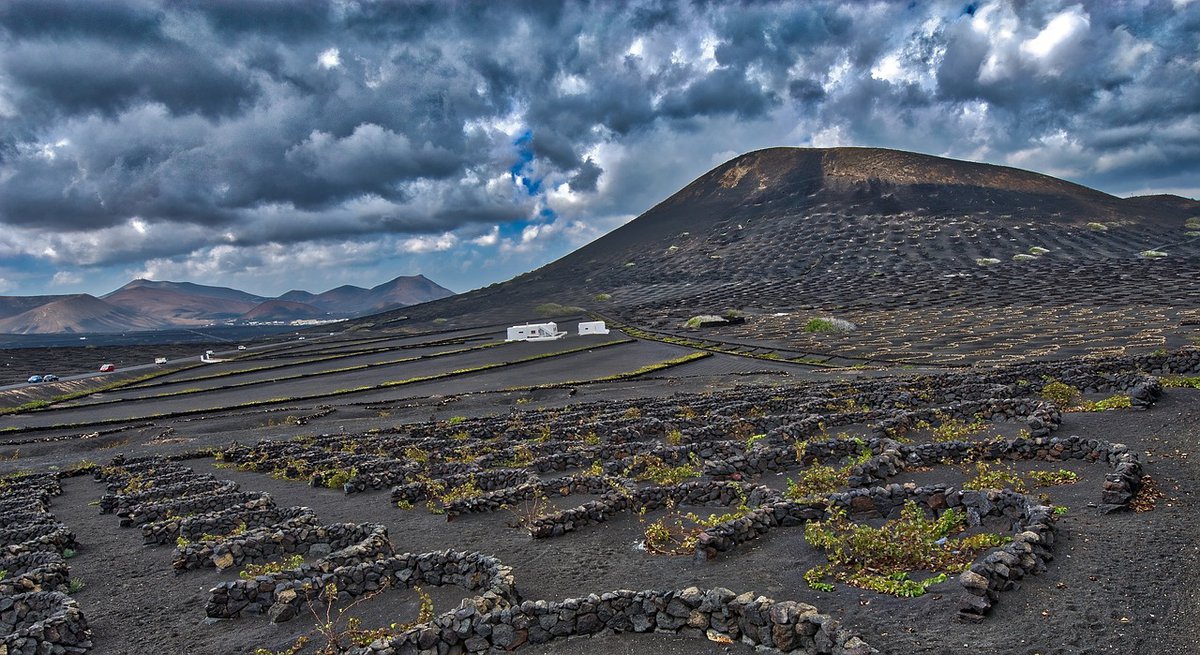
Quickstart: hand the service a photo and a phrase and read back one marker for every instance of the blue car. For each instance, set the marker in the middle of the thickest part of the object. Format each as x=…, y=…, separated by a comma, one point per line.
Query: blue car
x=34, y=379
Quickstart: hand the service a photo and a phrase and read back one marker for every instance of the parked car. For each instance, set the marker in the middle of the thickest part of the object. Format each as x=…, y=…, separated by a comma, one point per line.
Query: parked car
x=49, y=377
x=241, y=347
x=107, y=368
x=34, y=379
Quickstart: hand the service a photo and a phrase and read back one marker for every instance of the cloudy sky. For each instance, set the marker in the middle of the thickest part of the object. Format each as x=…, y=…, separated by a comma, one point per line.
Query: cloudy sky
x=280, y=145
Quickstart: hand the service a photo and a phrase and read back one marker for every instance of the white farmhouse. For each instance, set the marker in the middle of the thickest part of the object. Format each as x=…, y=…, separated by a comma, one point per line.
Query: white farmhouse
x=592, y=327
x=535, y=332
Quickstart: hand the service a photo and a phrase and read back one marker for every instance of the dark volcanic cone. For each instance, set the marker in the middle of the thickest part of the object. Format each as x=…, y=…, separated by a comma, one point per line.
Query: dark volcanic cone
x=783, y=228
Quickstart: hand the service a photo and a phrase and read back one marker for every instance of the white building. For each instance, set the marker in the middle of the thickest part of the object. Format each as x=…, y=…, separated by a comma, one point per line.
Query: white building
x=592, y=327
x=535, y=332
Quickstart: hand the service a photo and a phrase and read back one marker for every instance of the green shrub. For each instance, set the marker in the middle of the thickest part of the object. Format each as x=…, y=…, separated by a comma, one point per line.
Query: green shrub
x=698, y=320
x=1062, y=395
x=603, y=297
x=881, y=559
x=1112, y=402
x=828, y=325
x=1053, y=478
x=1000, y=477
x=555, y=309
x=254, y=570
x=816, y=480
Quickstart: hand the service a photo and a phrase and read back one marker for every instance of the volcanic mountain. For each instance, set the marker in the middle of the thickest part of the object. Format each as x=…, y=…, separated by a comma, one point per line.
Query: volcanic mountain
x=852, y=231
x=78, y=314
x=149, y=304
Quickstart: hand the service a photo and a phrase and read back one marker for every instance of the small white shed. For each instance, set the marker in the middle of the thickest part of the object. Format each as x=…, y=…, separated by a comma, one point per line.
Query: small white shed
x=592, y=327
x=534, y=332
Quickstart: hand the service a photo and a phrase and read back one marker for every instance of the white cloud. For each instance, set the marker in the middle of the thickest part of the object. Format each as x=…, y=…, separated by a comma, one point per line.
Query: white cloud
x=437, y=243
x=330, y=58
x=488, y=239
x=1051, y=48
x=65, y=278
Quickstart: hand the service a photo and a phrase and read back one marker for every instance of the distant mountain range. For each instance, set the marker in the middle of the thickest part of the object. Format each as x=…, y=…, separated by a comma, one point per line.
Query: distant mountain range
x=152, y=305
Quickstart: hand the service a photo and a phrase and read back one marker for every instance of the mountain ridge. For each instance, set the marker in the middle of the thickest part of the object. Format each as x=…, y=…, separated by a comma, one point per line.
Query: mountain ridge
x=153, y=304
x=780, y=217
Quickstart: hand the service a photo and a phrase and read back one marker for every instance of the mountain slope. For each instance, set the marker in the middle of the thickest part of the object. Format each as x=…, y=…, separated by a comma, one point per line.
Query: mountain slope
x=283, y=310
x=179, y=306
x=188, y=289
x=406, y=290
x=13, y=305
x=855, y=229
x=149, y=304
x=76, y=314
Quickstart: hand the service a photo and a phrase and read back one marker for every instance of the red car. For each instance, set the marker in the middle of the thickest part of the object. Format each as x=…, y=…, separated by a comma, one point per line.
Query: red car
x=107, y=368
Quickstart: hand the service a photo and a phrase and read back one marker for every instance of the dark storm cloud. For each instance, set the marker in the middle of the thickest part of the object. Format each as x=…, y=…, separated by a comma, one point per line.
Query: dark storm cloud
x=276, y=122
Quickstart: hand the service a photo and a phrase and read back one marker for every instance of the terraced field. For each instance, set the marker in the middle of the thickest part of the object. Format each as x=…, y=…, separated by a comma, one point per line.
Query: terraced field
x=996, y=456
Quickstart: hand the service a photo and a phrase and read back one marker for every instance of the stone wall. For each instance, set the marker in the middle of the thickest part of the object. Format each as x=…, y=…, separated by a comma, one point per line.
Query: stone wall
x=36, y=617
x=42, y=622
x=255, y=513
x=283, y=594
x=34, y=571
x=783, y=626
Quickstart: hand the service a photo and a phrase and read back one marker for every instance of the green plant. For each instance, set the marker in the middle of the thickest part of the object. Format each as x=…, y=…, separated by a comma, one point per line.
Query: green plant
x=674, y=437
x=1099, y=227
x=602, y=297
x=658, y=472
x=529, y=510
x=1112, y=402
x=1180, y=382
x=595, y=470
x=994, y=476
x=815, y=481
x=75, y=585
x=404, y=504
x=952, y=429
x=754, y=439
x=882, y=559
x=254, y=570
x=555, y=309
x=1060, y=510
x=676, y=534
x=455, y=420
x=819, y=325
x=986, y=261
x=337, y=478
x=417, y=455
x=1053, y=478
x=68, y=553
x=1038, y=250
x=339, y=631
x=522, y=456
x=1062, y=395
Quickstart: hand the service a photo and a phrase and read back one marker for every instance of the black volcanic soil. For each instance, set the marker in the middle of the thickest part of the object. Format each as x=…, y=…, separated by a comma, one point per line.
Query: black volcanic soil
x=1122, y=583
x=20, y=363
